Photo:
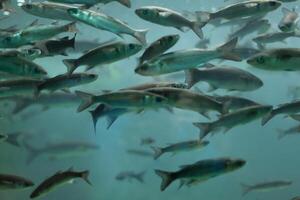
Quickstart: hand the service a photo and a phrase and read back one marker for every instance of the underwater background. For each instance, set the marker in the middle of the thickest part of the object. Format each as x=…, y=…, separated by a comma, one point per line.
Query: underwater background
x=268, y=158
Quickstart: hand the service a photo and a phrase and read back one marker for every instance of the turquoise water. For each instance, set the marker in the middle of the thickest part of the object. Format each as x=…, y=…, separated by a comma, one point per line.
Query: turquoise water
x=267, y=157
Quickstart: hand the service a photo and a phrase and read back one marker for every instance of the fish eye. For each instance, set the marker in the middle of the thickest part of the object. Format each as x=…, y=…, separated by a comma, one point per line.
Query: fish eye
x=144, y=67
x=272, y=3
x=260, y=60
x=131, y=46
x=28, y=6
x=145, y=12
x=158, y=99
x=170, y=38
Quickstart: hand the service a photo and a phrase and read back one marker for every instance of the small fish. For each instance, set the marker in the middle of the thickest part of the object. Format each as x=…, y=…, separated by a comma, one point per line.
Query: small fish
x=287, y=108
x=291, y=131
x=90, y=3
x=49, y=10
x=230, y=120
x=55, y=47
x=60, y=150
x=241, y=10
x=65, y=81
x=265, y=186
x=281, y=59
x=140, y=152
x=289, y=21
x=168, y=17
x=20, y=66
x=159, y=47
x=59, y=179
x=186, y=59
x=12, y=182
x=35, y=33
x=224, y=77
x=129, y=175
x=108, y=23
x=260, y=26
x=200, y=171
x=179, y=147
x=3, y=137
x=267, y=38
x=188, y=100
x=122, y=99
x=103, y=55
x=147, y=141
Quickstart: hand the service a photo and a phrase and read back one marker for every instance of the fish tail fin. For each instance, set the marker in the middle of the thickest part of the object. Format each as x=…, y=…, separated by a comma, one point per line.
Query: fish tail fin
x=197, y=28
x=157, y=152
x=226, y=50
x=140, y=35
x=95, y=119
x=33, y=153
x=191, y=77
x=167, y=179
x=281, y=134
x=72, y=27
x=140, y=176
x=87, y=100
x=85, y=176
x=71, y=64
x=126, y=3
x=73, y=41
x=267, y=118
x=110, y=120
x=205, y=128
x=203, y=17
x=245, y=189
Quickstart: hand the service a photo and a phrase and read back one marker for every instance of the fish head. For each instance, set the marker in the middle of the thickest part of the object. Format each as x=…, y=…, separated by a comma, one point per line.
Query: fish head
x=169, y=40
x=268, y=5
x=27, y=183
x=132, y=48
x=286, y=27
x=261, y=60
x=251, y=82
x=31, y=7
x=232, y=165
x=148, y=69
x=258, y=111
x=87, y=78
x=147, y=13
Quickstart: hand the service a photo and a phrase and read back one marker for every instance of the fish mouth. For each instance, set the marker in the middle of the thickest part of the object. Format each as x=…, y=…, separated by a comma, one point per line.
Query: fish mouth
x=240, y=163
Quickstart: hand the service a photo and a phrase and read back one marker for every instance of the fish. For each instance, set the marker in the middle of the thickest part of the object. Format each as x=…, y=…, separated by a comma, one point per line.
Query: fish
x=186, y=59
x=260, y=26
x=55, y=100
x=13, y=182
x=103, y=55
x=59, y=179
x=171, y=18
x=139, y=152
x=59, y=150
x=286, y=108
x=179, y=147
x=104, y=22
x=129, y=175
x=91, y=3
x=277, y=59
x=233, y=103
x=291, y=131
x=28, y=53
x=19, y=87
x=188, y=100
x=65, y=81
x=289, y=21
x=147, y=141
x=267, y=38
x=3, y=137
x=49, y=10
x=223, y=77
x=203, y=44
x=20, y=66
x=158, y=47
x=55, y=47
x=241, y=10
x=265, y=186
x=200, y=171
x=230, y=120
x=122, y=99
x=35, y=33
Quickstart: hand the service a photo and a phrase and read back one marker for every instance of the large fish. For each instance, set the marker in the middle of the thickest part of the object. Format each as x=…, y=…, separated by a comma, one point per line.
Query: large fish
x=103, y=55
x=59, y=179
x=225, y=77
x=186, y=59
x=200, y=171
x=285, y=59
x=168, y=17
x=230, y=120
x=108, y=23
